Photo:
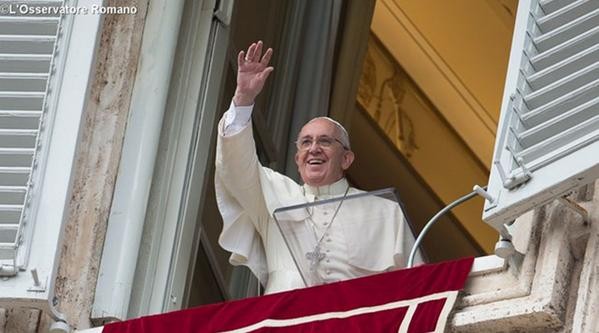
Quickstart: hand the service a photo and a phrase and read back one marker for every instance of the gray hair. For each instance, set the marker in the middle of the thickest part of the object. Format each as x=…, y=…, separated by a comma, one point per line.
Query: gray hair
x=343, y=136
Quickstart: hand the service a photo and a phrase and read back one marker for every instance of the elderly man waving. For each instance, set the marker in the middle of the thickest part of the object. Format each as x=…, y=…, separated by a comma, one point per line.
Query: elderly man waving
x=248, y=193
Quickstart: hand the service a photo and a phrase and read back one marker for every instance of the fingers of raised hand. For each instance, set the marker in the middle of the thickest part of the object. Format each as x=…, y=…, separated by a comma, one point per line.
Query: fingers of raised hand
x=240, y=58
x=265, y=73
x=254, y=57
x=257, y=52
x=266, y=58
x=251, y=52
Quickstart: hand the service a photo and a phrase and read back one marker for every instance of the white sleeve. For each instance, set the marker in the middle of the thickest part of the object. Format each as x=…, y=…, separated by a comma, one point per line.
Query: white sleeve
x=236, y=119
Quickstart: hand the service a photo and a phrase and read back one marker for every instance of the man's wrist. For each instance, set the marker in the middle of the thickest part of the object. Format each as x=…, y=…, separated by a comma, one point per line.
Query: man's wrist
x=242, y=100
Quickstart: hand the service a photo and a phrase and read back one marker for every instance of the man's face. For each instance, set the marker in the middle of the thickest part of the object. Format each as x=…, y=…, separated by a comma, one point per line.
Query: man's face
x=322, y=164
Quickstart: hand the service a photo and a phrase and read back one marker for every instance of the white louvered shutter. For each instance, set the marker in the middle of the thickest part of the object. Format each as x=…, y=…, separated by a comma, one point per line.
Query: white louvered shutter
x=26, y=51
x=548, y=137
x=46, y=64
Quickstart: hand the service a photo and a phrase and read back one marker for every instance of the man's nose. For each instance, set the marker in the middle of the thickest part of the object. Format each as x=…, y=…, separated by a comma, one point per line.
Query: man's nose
x=315, y=147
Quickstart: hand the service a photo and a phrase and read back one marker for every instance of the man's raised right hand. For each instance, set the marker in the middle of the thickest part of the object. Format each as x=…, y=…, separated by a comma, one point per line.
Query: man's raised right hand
x=252, y=72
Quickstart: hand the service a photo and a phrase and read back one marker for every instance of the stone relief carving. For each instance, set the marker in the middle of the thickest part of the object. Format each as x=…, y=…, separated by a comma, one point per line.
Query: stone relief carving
x=383, y=100
x=368, y=80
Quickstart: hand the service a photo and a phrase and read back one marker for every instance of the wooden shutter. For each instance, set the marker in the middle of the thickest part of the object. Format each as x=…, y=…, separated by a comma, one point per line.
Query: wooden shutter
x=27, y=46
x=548, y=137
x=46, y=66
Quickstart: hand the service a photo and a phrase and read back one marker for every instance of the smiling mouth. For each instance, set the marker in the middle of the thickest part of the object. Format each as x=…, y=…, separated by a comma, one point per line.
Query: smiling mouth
x=315, y=161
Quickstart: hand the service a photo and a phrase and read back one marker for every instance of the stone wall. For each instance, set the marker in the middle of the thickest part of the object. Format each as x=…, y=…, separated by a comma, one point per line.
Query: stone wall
x=555, y=286
x=98, y=160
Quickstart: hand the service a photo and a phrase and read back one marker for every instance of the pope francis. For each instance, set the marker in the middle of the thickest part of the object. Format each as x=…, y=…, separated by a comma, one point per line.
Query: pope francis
x=248, y=193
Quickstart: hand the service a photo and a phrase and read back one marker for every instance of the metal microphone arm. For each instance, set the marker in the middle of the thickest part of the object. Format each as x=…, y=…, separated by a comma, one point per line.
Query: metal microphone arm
x=434, y=219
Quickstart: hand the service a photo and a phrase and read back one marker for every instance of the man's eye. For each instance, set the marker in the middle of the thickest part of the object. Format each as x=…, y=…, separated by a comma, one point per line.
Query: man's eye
x=325, y=142
x=306, y=143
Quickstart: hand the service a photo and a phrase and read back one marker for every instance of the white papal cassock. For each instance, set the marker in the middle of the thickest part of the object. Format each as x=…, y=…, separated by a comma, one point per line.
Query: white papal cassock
x=248, y=193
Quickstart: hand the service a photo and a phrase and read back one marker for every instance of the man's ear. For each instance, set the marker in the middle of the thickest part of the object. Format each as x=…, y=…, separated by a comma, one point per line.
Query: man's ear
x=297, y=158
x=348, y=159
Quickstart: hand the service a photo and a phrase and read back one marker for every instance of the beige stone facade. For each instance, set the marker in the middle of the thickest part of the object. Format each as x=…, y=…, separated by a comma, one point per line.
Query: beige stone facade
x=552, y=289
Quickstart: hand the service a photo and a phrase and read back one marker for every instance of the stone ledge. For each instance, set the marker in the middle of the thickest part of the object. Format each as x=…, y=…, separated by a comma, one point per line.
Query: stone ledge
x=534, y=296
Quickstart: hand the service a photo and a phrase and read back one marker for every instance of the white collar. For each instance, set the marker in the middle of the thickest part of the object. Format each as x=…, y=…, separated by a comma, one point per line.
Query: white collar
x=338, y=188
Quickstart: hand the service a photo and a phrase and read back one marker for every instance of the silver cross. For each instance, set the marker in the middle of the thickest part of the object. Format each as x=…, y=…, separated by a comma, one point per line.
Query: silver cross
x=315, y=257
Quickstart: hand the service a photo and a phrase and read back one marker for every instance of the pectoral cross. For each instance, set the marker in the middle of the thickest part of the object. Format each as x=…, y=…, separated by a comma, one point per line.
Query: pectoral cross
x=315, y=257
